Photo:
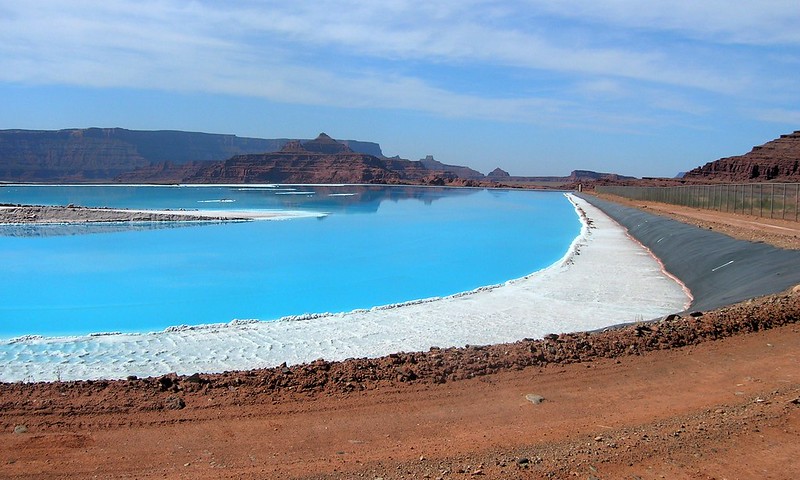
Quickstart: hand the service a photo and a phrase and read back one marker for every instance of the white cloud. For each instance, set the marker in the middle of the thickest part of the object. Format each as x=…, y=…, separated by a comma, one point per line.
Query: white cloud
x=779, y=115
x=763, y=22
x=463, y=35
x=603, y=88
x=377, y=54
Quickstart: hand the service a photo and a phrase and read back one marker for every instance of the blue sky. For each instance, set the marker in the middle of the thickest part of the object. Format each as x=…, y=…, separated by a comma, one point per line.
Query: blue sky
x=535, y=87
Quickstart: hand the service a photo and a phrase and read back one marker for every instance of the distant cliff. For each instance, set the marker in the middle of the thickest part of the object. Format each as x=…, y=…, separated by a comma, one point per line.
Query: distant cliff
x=777, y=160
x=322, y=160
x=462, y=172
x=102, y=154
x=575, y=177
x=132, y=156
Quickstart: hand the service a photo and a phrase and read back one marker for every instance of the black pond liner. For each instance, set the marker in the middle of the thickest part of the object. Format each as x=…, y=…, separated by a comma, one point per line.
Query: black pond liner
x=717, y=269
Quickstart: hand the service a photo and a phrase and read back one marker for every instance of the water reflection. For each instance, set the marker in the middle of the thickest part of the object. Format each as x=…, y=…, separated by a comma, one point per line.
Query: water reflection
x=330, y=199
x=70, y=229
x=340, y=199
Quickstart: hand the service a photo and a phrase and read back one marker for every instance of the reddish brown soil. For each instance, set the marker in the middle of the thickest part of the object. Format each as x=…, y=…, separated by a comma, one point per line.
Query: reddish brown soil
x=708, y=397
x=775, y=231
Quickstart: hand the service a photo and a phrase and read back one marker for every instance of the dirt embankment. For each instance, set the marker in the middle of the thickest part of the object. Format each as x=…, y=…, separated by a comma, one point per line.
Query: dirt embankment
x=774, y=231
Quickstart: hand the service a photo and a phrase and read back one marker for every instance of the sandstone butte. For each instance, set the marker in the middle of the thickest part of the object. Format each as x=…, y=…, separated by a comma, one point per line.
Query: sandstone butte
x=776, y=160
x=319, y=161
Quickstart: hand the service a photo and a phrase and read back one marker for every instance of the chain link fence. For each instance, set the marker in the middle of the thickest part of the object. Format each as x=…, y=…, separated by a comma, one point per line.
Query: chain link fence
x=769, y=200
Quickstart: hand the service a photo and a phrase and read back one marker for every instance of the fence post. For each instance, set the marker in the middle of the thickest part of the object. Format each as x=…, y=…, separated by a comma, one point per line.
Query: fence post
x=696, y=196
x=771, y=199
x=713, y=196
x=727, y=197
x=744, y=190
x=783, y=203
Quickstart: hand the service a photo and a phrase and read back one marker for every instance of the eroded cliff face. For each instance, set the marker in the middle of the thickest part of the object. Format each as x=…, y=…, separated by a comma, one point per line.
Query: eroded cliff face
x=65, y=155
x=319, y=161
x=778, y=160
x=296, y=167
x=132, y=156
x=103, y=154
x=465, y=173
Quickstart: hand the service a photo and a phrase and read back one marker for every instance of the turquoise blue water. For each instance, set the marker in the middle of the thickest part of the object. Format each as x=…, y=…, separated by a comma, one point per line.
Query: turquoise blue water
x=375, y=246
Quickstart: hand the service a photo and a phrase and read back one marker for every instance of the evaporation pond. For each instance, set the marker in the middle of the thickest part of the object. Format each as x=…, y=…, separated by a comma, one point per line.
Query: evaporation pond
x=351, y=247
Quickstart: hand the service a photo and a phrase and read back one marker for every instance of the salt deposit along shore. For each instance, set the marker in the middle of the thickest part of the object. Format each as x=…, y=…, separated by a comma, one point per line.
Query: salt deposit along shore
x=605, y=278
x=40, y=214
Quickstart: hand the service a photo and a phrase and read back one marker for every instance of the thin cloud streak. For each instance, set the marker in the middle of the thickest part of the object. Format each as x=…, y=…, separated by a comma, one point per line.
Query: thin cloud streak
x=766, y=22
x=461, y=39
x=779, y=115
x=336, y=53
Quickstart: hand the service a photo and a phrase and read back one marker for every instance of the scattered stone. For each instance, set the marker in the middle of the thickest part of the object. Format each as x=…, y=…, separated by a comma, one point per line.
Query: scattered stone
x=165, y=383
x=20, y=429
x=534, y=399
x=174, y=402
x=523, y=461
x=131, y=378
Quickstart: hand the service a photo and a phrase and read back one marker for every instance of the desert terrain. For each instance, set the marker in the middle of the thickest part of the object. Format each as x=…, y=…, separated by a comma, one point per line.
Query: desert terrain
x=712, y=395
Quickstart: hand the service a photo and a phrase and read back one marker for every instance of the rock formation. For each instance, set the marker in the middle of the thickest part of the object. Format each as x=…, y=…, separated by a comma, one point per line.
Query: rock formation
x=102, y=154
x=461, y=172
x=584, y=175
x=322, y=160
x=131, y=156
x=777, y=160
x=574, y=178
x=66, y=155
x=498, y=174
